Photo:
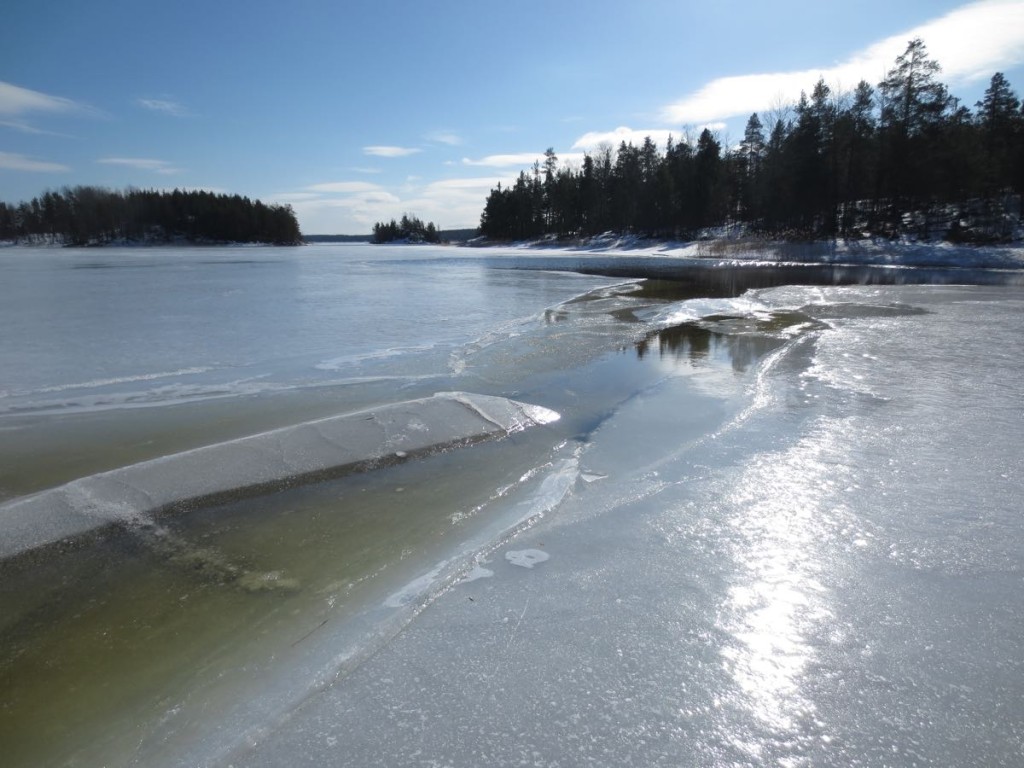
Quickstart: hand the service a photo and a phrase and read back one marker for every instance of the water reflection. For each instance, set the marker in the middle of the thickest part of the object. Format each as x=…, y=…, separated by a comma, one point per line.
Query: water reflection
x=739, y=340
x=687, y=341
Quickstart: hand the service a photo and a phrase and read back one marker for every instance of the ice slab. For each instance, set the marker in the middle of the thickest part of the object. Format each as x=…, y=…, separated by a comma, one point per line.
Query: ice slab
x=265, y=462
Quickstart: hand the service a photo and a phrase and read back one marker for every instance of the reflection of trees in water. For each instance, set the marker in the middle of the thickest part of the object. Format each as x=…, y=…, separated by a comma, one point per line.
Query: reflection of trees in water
x=695, y=344
x=680, y=341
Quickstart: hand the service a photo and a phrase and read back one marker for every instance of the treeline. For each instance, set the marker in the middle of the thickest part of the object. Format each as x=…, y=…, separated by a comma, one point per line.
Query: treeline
x=410, y=229
x=95, y=216
x=904, y=157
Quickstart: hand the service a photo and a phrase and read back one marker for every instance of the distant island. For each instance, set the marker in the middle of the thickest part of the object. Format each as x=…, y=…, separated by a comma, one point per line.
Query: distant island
x=86, y=216
x=337, y=238
x=904, y=159
x=409, y=230
x=446, y=236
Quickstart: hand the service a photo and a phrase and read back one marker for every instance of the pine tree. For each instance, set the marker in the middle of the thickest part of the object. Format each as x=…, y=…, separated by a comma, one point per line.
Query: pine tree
x=751, y=158
x=709, y=190
x=1002, y=129
x=913, y=100
x=913, y=106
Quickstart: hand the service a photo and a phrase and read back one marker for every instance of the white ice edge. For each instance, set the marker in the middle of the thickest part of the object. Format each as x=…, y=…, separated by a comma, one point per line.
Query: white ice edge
x=277, y=458
x=517, y=415
x=415, y=588
x=696, y=309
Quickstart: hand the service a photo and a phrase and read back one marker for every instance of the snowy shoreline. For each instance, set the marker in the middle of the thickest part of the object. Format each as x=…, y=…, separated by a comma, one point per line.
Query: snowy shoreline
x=868, y=252
x=877, y=251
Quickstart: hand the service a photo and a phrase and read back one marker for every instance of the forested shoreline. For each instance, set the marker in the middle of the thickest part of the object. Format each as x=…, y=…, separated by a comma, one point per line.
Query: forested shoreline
x=96, y=216
x=904, y=158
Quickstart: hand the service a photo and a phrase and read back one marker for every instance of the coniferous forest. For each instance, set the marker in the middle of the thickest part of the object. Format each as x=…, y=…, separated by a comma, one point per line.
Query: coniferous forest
x=903, y=158
x=95, y=216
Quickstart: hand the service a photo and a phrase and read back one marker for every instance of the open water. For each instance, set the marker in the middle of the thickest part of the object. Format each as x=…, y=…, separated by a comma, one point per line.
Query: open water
x=772, y=526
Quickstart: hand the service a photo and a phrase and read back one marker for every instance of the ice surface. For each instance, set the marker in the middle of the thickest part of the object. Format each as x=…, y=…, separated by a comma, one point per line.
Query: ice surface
x=734, y=575
x=820, y=579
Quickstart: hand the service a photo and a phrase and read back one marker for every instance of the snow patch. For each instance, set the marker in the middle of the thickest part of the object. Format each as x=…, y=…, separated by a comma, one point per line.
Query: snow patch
x=526, y=558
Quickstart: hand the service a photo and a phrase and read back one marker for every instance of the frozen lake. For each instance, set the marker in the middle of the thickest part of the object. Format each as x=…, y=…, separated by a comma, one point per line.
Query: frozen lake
x=780, y=527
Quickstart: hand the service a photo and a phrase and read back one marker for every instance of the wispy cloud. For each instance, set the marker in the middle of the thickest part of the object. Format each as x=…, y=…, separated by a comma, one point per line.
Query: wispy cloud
x=366, y=202
x=15, y=101
x=450, y=138
x=295, y=197
x=386, y=151
x=164, y=106
x=25, y=127
x=17, y=104
x=11, y=161
x=969, y=43
x=142, y=164
x=341, y=194
x=344, y=187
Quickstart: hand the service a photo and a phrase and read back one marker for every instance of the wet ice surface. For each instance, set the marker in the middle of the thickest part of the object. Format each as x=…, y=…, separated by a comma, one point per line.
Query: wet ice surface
x=758, y=551
x=831, y=576
x=246, y=608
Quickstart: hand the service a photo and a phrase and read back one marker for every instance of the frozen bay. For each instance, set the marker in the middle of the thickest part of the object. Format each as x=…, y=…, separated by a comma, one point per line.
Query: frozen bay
x=775, y=528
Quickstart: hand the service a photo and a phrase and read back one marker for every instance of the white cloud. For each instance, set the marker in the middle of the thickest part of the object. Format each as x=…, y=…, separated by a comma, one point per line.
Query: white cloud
x=334, y=209
x=385, y=151
x=459, y=186
x=164, y=106
x=972, y=42
x=520, y=159
x=11, y=161
x=354, y=207
x=142, y=164
x=505, y=161
x=594, y=139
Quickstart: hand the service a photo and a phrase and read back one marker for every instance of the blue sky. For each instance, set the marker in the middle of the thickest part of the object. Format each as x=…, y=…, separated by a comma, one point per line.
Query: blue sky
x=354, y=111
